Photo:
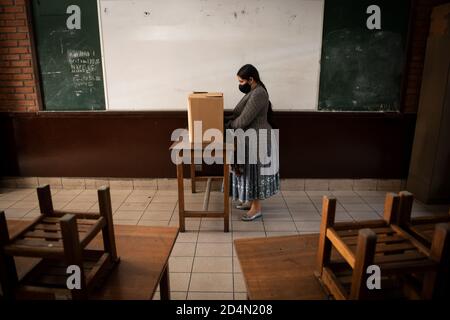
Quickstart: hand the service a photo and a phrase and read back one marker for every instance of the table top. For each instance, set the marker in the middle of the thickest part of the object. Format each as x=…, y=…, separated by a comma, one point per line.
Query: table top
x=280, y=268
x=143, y=251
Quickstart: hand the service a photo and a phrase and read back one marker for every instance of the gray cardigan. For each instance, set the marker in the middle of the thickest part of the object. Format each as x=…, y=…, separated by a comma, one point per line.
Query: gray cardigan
x=251, y=111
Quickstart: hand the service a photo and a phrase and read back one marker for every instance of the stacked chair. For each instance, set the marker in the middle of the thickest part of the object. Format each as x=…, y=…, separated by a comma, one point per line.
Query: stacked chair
x=58, y=240
x=410, y=257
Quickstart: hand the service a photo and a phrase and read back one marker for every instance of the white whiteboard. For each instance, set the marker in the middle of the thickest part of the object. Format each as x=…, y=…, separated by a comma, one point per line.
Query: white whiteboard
x=158, y=51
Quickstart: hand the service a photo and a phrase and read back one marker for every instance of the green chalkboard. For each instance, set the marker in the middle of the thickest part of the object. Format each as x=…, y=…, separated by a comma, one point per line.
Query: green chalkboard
x=69, y=54
x=362, y=68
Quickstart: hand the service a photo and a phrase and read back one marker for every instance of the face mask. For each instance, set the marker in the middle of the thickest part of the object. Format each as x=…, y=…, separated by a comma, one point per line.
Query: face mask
x=245, y=88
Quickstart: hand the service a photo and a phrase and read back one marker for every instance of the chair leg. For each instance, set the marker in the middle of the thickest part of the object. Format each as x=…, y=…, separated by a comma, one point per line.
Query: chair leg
x=73, y=252
x=109, y=242
x=365, y=252
x=8, y=272
x=405, y=208
x=324, y=247
x=440, y=252
x=45, y=200
x=391, y=207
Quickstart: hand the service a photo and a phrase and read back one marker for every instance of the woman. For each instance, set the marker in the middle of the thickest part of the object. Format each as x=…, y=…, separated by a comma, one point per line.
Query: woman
x=249, y=183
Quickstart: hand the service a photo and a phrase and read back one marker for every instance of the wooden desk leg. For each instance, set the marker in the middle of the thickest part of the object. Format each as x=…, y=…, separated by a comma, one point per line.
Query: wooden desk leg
x=192, y=172
x=8, y=272
x=164, y=284
x=180, y=196
x=226, y=195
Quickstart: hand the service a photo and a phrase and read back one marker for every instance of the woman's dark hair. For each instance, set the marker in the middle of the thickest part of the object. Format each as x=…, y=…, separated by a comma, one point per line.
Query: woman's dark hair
x=249, y=71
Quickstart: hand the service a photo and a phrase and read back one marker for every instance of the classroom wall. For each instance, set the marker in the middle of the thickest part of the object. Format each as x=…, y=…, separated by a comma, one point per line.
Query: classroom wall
x=363, y=145
x=18, y=85
x=19, y=88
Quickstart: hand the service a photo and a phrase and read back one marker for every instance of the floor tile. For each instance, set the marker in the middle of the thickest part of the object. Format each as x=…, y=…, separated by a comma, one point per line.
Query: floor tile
x=236, y=265
x=239, y=283
x=156, y=215
x=308, y=226
x=127, y=215
x=247, y=235
x=210, y=296
x=357, y=207
x=215, y=282
x=179, y=281
x=365, y=215
x=279, y=226
x=240, y=296
x=126, y=222
x=247, y=226
x=214, y=225
x=212, y=237
x=214, y=250
x=153, y=223
x=187, y=236
x=305, y=216
x=213, y=264
x=16, y=213
x=25, y=205
x=133, y=206
x=183, y=249
x=6, y=203
x=180, y=264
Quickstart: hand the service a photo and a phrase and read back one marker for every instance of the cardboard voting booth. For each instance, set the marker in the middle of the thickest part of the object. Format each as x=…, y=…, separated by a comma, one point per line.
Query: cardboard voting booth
x=206, y=107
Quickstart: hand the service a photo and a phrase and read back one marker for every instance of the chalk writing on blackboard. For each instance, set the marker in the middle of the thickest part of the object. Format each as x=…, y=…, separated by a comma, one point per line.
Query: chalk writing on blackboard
x=84, y=65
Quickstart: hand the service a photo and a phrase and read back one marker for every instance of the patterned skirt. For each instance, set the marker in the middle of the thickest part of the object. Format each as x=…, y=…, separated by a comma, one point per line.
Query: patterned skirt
x=256, y=181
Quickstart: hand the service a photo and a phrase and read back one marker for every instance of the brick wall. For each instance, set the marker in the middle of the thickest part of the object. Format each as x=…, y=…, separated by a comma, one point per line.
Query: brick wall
x=18, y=91
x=420, y=28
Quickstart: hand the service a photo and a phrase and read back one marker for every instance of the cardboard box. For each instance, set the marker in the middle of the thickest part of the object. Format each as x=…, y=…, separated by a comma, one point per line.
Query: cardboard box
x=208, y=108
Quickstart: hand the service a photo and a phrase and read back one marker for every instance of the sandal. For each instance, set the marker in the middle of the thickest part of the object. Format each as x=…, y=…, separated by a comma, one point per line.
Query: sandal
x=245, y=217
x=243, y=206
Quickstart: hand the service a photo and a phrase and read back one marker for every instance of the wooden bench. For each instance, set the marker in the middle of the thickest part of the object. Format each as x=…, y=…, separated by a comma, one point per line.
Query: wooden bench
x=59, y=240
x=382, y=243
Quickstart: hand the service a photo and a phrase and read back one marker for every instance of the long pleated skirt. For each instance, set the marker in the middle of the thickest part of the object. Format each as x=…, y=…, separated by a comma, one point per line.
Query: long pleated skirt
x=251, y=182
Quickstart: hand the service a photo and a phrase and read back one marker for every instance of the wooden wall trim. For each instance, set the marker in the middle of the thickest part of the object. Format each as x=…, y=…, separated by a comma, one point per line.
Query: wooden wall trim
x=331, y=145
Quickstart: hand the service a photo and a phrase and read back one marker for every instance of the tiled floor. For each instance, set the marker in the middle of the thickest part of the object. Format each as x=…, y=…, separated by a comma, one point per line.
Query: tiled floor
x=203, y=264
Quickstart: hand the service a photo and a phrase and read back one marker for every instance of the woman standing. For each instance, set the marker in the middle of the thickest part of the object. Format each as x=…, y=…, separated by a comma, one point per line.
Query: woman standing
x=249, y=182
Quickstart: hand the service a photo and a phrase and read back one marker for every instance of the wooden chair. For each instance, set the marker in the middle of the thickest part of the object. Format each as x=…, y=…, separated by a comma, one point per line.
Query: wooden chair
x=59, y=240
x=426, y=229
x=422, y=228
x=379, y=242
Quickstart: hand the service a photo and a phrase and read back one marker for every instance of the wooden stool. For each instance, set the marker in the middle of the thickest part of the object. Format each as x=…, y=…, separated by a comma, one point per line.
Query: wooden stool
x=59, y=239
x=378, y=242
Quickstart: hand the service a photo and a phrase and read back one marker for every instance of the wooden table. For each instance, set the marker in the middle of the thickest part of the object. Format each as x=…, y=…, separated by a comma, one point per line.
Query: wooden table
x=144, y=253
x=280, y=268
x=192, y=148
